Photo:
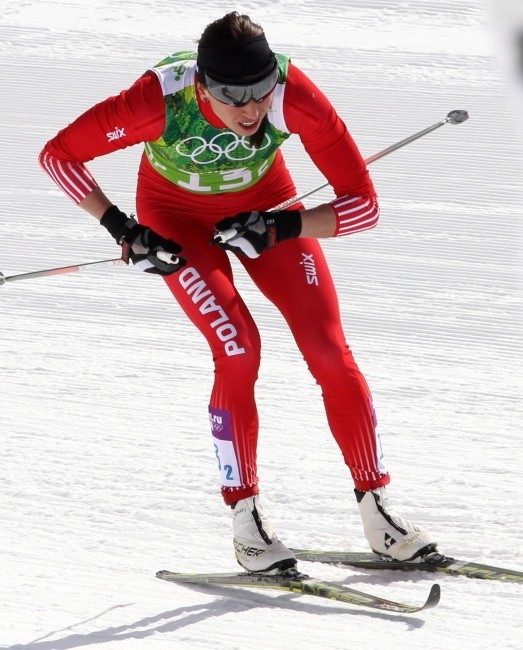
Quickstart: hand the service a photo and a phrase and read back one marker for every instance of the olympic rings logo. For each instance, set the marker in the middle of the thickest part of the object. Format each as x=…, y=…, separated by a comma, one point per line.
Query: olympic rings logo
x=235, y=148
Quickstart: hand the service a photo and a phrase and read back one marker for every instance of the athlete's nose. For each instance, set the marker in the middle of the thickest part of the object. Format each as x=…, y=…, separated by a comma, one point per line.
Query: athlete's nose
x=251, y=112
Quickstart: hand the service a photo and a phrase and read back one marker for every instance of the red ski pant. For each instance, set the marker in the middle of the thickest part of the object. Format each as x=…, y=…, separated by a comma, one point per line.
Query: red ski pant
x=295, y=277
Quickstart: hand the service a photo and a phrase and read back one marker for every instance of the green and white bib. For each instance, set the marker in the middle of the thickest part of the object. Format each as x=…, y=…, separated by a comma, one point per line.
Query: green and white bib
x=199, y=157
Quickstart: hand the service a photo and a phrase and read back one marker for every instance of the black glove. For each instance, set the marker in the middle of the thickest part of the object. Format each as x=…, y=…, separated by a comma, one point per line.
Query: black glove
x=251, y=233
x=147, y=250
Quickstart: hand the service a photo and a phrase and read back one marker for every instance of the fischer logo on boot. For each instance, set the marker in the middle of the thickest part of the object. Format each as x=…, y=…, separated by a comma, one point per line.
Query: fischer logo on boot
x=248, y=551
x=389, y=541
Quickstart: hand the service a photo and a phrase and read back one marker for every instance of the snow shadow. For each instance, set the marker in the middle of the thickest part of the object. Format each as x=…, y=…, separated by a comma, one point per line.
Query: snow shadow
x=177, y=619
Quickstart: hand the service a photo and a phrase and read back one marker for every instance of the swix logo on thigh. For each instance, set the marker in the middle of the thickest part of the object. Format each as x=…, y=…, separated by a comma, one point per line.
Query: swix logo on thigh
x=195, y=287
x=309, y=265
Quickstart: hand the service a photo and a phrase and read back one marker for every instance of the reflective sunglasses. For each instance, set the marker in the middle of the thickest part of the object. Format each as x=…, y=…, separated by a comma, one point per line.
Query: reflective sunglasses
x=240, y=95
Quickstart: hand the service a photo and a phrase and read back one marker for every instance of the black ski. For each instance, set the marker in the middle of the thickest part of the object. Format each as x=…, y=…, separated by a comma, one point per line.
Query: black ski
x=436, y=563
x=295, y=582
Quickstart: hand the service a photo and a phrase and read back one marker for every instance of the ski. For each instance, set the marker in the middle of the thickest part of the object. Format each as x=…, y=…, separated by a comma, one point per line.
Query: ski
x=295, y=582
x=436, y=563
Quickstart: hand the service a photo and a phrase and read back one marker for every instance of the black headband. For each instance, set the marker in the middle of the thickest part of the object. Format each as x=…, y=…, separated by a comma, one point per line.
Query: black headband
x=244, y=60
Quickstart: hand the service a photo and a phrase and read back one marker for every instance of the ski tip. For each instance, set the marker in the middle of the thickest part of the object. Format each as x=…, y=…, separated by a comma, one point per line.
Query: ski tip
x=2, y=278
x=163, y=573
x=434, y=596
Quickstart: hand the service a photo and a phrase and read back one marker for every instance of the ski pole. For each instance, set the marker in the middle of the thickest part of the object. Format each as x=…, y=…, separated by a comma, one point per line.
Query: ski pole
x=123, y=260
x=118, y=261
x=55, y=271
x=454, y=117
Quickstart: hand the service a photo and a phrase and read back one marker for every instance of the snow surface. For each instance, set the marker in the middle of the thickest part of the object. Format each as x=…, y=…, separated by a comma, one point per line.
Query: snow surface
x=106, y=470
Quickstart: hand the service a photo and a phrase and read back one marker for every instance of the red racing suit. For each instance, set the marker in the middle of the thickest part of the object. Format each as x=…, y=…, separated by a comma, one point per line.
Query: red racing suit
x=294, y=275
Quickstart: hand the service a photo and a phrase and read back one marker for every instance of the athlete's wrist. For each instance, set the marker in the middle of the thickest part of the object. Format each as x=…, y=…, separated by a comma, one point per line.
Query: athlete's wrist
x=288, y=224
x=318, y=222
x=117, y=223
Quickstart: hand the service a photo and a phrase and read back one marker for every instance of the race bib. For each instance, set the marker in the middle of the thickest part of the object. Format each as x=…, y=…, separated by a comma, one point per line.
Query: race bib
x=223, y=439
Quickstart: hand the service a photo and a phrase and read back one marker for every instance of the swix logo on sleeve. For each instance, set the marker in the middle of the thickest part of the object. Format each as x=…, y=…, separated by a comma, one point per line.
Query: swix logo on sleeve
x=309, y=265
x=116, y=134
x=195, y=287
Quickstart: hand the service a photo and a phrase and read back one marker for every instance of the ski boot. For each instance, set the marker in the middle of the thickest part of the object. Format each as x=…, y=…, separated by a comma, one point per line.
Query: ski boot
x=388, y=534
x=256, y=546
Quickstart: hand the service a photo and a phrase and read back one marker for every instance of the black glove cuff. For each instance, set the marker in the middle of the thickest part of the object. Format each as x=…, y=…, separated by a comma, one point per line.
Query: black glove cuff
x=117, y=223
x=289, y=224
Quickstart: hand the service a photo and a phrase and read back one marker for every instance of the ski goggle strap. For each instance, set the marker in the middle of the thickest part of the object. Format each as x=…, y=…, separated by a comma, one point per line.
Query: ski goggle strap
x=240, y=94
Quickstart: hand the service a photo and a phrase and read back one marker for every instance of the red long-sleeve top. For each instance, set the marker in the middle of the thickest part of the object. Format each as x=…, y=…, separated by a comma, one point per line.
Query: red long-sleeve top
x=137, y=115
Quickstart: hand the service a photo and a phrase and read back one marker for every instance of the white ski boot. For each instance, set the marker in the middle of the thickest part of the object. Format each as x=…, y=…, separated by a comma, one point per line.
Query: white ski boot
x=255, y=543
x=389, y=534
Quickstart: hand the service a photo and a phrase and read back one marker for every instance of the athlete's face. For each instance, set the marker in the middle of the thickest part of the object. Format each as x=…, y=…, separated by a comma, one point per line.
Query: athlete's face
x=243, y=120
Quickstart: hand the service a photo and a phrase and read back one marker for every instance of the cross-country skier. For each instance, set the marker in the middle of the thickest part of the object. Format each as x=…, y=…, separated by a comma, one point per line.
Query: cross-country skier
x=212, y=122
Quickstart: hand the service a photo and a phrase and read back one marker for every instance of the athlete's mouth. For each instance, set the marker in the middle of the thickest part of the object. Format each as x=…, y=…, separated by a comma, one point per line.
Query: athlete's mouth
x=248, y=125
